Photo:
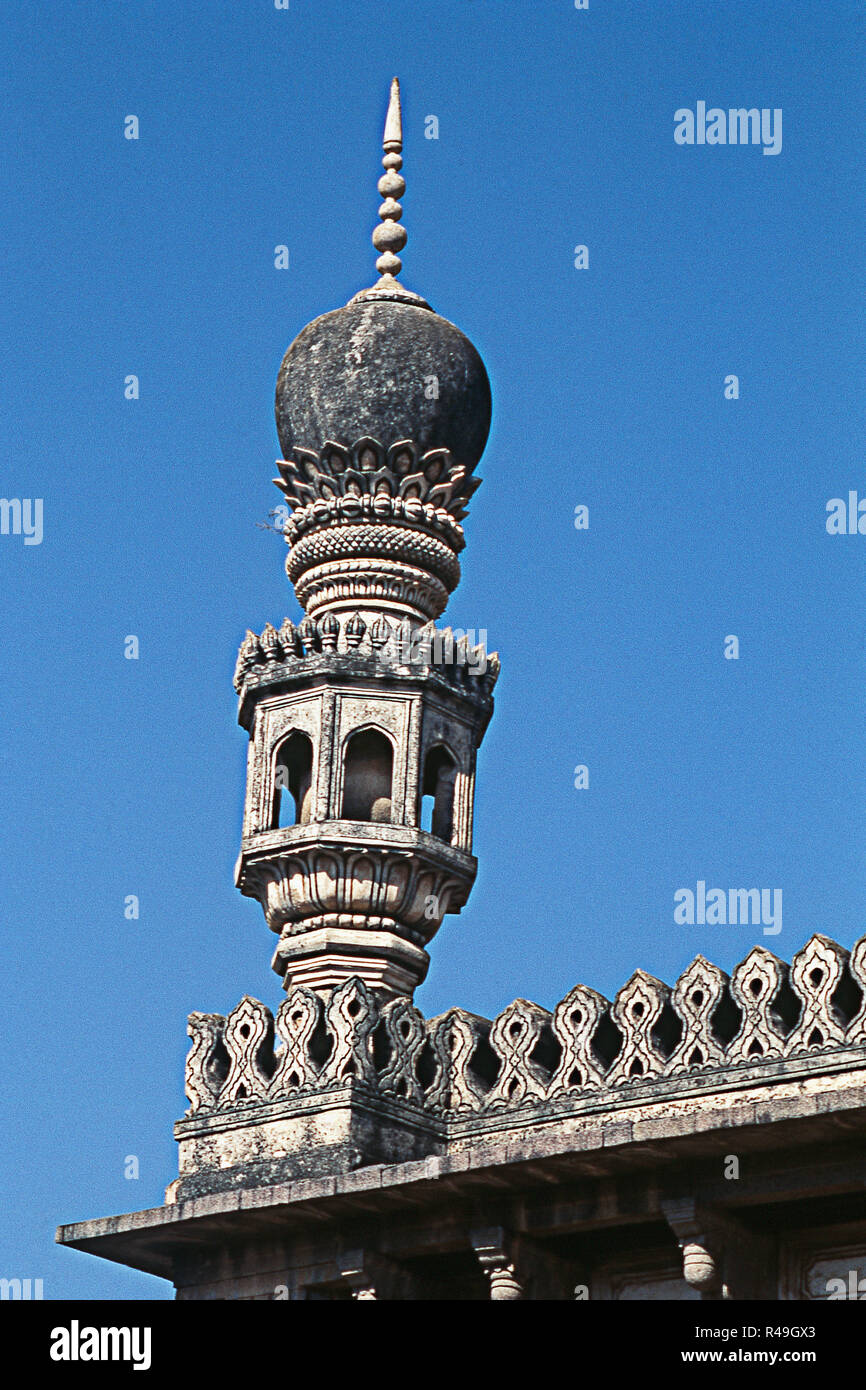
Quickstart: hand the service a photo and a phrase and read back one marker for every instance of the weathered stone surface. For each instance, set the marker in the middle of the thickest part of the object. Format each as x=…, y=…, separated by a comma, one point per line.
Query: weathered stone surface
x=515, y=1037
x=406, y=1034
x=352, y=1016
x=207, y=1062
x=636, y=1011
x=249, y=1042
x=460, y=1080
x=296, y=1067
x=455, y=1038
x=816, y=973
x=575, y=1025
x=553, y=1174
x=697, y=996
x=365, y=369
x=527, y=1057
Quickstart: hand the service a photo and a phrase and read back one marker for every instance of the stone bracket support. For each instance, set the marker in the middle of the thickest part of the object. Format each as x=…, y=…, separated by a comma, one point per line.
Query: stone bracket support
x=493, y=1248
x=518, y=1267
x=722, y=1257
x=372, y=1277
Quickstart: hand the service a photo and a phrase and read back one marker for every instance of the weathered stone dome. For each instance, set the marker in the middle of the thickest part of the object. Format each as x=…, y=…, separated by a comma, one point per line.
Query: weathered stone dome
x=388, y=368
x=383, y=411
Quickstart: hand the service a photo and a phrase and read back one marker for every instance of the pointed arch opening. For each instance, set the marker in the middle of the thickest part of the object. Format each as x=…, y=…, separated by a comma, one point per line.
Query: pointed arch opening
x=437, y=793
x=293, y=781
x=368, y=772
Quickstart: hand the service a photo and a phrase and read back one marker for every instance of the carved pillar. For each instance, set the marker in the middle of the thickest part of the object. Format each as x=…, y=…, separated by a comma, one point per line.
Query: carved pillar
x=326, y=769
x=518, y=1267
x=491, y=1247
x=352, y=1269
x=412, y=807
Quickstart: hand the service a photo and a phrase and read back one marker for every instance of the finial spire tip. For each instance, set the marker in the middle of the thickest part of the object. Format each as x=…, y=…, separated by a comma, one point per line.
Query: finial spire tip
x=393, y=138
x=390, y=237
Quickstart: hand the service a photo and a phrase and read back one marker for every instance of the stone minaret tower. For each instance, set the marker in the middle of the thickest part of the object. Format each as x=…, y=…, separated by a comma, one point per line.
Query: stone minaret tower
x=349, y=1148
x=366, y=709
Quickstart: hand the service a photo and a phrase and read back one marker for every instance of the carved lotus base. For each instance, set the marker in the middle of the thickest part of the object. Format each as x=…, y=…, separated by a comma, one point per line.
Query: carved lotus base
x=350, y=899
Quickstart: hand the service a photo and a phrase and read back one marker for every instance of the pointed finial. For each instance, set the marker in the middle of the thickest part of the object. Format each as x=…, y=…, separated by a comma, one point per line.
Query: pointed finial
x=390, y=237
x=392, y=141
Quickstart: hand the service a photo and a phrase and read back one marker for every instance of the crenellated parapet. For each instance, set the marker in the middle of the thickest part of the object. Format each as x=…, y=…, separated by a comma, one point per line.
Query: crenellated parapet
x=349, y=646
x=705, y=1032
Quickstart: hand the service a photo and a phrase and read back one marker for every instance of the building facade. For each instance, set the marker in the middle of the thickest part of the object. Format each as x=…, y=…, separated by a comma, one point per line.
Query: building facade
x=699, y=1142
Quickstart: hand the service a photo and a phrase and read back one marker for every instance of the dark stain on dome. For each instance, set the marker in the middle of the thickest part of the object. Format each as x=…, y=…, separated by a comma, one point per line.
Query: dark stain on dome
x=374, y=368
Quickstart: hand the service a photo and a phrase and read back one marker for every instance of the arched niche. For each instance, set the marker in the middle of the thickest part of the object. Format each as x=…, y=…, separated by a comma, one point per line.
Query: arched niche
x=437, y=793
x=368, y=772
x=293, y=781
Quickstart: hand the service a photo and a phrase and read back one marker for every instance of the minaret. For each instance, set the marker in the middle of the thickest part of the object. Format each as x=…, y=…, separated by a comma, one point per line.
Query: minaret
x=349, y=1148
x=366, y=709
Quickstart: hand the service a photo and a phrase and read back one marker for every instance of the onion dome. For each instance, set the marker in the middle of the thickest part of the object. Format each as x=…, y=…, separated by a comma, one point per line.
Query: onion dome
x=383, y=411
x=385, y=366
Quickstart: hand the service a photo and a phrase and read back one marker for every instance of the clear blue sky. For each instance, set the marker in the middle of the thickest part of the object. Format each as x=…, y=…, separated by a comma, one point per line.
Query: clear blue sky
x=707, y=517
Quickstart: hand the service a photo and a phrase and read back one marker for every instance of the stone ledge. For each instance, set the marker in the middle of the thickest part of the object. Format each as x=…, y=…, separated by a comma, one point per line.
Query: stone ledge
x=328, y=670
x=135, y=1237
x=349, y=1093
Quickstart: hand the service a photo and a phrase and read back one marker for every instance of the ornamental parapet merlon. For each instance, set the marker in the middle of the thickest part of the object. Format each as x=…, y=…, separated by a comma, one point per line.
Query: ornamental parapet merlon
x=767, y=1020
x=335, y=648
x=315, y=653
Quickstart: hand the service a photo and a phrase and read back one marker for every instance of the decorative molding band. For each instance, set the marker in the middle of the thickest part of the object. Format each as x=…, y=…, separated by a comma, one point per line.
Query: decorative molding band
x=373, y=544
x=363, y=583
x=341, y=511
x=382, y=887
